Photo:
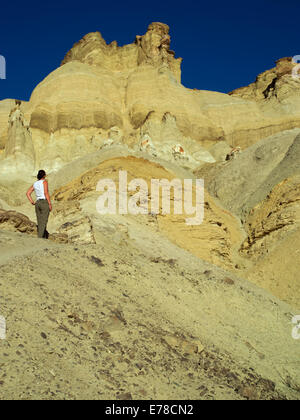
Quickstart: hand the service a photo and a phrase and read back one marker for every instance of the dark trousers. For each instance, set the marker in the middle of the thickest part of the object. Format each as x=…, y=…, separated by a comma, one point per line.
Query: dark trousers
x=42, y=214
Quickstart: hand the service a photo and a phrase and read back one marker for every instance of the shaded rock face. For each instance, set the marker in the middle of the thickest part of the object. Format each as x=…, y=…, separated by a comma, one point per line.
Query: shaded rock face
x=72, y=225
x=244, y=182
x=273, y=242
x=14, y=130
x=276, y=216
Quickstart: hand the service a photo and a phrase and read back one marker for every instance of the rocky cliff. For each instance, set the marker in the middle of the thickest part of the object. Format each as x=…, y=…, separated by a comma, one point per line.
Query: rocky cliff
x=132, y=95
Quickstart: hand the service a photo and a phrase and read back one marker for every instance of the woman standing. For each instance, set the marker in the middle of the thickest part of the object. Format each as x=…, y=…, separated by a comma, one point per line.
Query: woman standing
x=43, y=204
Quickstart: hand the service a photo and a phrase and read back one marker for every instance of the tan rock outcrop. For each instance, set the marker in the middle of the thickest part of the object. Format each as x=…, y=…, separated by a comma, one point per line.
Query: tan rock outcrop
x=14, y=221
x=244, y=182
x=277, y=216
x=103, y=94
x=277, y=93
x=153, y=49
x=273, y=242
x=5, y=109
x=17, y=222
x=262, y=187
x=216, y=240
x=19, y=151
x=180, y=302
x=72, y=223
x=274, y=83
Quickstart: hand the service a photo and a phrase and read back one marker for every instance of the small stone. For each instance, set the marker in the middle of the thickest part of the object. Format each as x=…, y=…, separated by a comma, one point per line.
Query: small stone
x=228, y=281
x=124, y=396
x=184, y=346
x=97, y=261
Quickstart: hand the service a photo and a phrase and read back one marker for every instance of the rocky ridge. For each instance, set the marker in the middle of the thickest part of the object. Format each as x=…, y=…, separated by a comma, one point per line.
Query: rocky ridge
x=146, y=306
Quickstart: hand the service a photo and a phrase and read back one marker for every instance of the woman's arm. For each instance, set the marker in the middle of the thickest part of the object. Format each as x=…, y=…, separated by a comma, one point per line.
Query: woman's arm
x=28, y=194
x=46, y=191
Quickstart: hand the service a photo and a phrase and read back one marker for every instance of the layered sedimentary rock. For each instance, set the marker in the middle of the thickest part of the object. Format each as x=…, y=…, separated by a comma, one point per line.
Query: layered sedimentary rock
x=276, y=216
x=72, y=223
x=152, y=49
x=216, y=240
x=67, y=224
x=262, y=187
x=275, y=83
x=107, y=94
x=15, y=221
x=273, y=242
x=244, y=182
x=72, y=227
x=277, y=93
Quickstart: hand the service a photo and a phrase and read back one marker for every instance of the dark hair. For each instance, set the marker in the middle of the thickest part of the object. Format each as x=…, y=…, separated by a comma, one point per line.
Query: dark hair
x=41, y=174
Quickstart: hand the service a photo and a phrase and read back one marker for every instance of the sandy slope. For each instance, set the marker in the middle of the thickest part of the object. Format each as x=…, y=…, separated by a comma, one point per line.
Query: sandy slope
x=130, y=316
x=137, y=315
x=262, y=187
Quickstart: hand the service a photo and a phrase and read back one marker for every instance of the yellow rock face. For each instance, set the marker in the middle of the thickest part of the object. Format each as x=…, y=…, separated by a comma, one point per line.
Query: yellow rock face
x=153, y=48
x=274, y=241
x=5, y=107
x=165, y=303
x=216, y=240
x=100, y=89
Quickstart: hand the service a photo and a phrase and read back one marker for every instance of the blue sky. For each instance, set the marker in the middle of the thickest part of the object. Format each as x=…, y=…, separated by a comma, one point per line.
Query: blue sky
x=224, y=44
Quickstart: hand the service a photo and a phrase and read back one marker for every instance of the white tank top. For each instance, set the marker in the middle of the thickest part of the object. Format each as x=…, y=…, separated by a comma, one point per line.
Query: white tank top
x=39, y=189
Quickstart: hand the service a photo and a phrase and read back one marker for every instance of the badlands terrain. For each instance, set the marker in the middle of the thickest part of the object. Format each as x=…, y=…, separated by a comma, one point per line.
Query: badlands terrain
x=145, y=306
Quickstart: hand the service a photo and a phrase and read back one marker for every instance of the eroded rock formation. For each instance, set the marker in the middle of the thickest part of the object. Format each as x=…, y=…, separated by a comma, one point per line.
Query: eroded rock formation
x=173, y=298
x=135, y=90
x=19, y=147
x=17, y=222
x=153, y=49
x=216, y=240
x=276, y=83
x=5, y=109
